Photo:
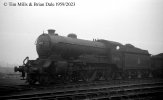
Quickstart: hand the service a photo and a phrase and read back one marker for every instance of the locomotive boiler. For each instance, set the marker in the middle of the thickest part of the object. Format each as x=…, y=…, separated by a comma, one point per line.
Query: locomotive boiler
x=52, y=44
x=69, y=59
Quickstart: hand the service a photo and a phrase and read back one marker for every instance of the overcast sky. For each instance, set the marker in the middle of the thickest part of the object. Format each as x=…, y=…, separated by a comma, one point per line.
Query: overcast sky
x=139, y=22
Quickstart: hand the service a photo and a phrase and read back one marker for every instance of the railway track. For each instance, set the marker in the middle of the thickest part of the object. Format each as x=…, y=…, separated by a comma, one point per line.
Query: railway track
x=95, y=91
x=9, y=89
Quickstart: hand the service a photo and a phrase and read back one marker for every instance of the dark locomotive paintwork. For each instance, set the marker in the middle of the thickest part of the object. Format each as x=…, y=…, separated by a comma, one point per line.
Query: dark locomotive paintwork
x=71, y=59
x=157, y=65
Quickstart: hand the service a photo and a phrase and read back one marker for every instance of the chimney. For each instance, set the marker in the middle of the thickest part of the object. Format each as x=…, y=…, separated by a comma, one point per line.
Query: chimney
x=51, y=31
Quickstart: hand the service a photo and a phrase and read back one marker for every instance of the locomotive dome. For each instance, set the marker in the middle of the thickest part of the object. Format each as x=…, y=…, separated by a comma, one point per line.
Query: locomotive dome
x=72, y=35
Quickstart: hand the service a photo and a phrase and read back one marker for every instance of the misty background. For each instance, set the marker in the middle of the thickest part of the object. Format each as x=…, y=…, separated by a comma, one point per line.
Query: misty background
x=138, y=22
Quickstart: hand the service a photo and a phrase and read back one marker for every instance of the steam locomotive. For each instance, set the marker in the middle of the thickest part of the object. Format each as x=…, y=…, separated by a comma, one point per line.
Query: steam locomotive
x=69, y=59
